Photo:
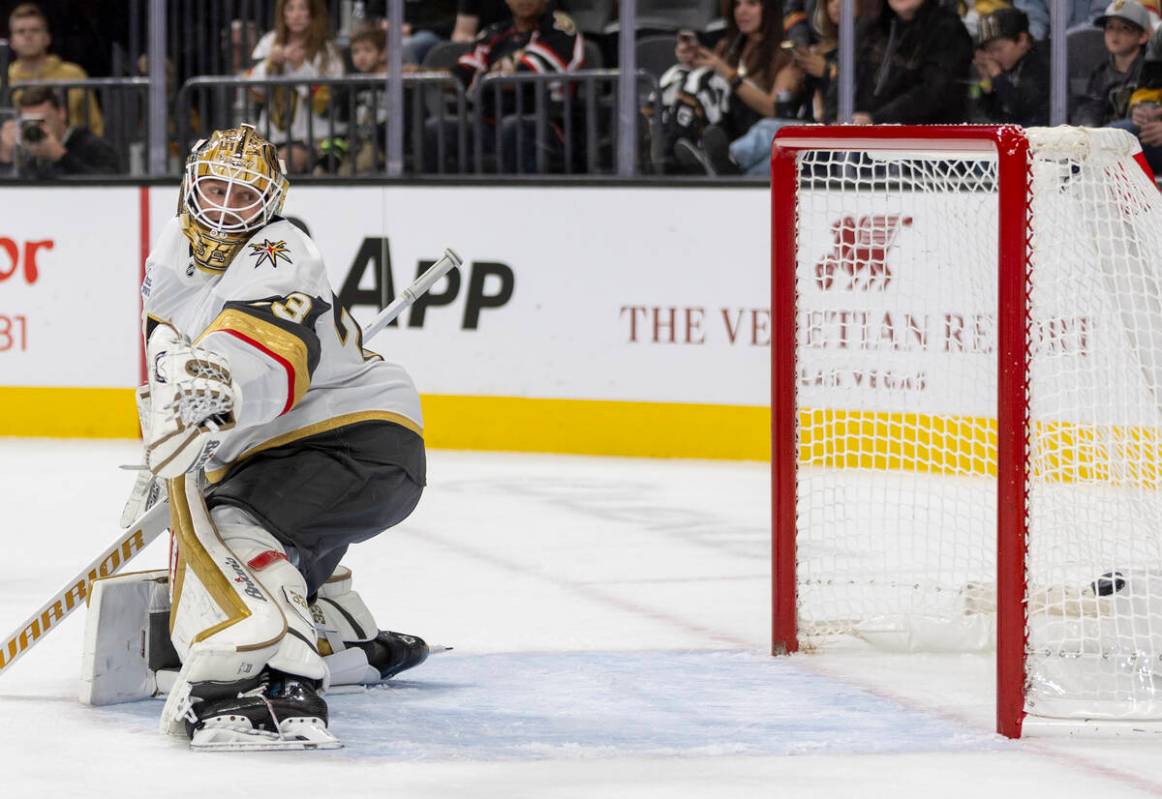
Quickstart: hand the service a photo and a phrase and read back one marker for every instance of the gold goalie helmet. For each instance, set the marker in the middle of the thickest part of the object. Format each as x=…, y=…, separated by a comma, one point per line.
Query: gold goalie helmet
x=234, y=184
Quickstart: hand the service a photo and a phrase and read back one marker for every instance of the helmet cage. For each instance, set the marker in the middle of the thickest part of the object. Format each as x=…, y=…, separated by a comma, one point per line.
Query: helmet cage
x=216, y=216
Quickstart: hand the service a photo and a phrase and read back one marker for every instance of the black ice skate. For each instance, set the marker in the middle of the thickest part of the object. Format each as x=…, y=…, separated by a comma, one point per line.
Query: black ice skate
x=274, y=711
x=356, y=650
x=389, y=653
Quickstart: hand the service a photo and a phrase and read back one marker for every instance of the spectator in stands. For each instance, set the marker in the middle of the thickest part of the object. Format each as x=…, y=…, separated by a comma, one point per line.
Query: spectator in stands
x=1107, y=95
x=912, y=64
x=748, y=76
x=42, y=145
x=426, y=24
x=30, y=40
x=474, y=16
x=537, y=40
x=750, y=154
x=1013, y=69
x=973, y=11
x=244, y=35
x=1145, y=120
x=362, y=151
x=300, y=46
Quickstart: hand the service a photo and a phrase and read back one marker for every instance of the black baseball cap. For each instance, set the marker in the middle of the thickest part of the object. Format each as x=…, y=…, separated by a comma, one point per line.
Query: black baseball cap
x=1004, y=23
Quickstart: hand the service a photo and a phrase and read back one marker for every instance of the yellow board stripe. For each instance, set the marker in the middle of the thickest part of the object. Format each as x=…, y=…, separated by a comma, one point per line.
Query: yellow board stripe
x=68, y=412
x=597, y=427
x=1063, y=452
x=834, y=438
x=513, y=424
x=951, y=445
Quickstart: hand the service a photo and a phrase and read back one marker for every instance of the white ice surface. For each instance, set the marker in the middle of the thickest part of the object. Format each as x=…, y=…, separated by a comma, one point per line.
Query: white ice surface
x=610, y=619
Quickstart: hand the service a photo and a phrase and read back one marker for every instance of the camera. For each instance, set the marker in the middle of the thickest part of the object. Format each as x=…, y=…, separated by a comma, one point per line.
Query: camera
x=32, y=130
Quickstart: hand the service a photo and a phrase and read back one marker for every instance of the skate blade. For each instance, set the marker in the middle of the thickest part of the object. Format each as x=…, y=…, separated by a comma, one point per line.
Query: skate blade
x=297, y=735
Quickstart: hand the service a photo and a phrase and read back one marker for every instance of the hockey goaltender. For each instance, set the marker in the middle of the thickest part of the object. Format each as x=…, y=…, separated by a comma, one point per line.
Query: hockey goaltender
x=280, y=441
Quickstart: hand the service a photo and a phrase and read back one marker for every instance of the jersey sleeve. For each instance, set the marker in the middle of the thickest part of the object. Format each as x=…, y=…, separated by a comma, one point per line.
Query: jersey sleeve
x=272, y=298
x=555, y=47
x=477, y=60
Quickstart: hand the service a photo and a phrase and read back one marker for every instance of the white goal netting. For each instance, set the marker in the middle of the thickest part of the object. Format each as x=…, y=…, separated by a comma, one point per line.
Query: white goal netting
x=896, y=375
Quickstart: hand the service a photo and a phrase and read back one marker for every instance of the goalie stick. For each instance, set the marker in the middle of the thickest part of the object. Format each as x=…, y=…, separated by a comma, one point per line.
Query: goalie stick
x=154, y=521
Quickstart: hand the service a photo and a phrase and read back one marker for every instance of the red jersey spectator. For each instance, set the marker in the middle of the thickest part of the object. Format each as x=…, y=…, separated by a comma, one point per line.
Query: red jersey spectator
x=537, y=40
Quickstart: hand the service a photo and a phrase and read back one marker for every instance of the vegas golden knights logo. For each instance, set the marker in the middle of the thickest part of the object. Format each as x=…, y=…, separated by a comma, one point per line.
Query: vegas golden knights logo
x=270, y=251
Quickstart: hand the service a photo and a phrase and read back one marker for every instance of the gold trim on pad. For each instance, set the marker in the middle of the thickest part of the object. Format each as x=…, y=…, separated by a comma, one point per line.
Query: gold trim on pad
x=198, y=559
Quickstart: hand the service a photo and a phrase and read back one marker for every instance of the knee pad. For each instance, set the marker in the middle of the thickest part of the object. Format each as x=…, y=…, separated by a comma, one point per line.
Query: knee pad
x=267, y=559
x=217, y=604
x=235, y=618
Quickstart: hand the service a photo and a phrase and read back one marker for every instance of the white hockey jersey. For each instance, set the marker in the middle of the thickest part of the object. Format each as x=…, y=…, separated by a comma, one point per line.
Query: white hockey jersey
x=295, y=353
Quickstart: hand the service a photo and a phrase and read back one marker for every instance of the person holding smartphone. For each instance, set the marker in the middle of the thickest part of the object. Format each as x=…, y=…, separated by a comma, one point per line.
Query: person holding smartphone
x=730, y=87
x=750, y=154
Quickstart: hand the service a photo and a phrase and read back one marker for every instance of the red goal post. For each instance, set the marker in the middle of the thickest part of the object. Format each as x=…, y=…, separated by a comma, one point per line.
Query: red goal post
x=817, y=161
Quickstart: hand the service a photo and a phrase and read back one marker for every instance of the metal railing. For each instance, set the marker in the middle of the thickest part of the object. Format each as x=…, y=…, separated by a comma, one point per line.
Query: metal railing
x=566, y=121
x=120, y=104
x=5, y=60
x=586, y=106
x=352, y=120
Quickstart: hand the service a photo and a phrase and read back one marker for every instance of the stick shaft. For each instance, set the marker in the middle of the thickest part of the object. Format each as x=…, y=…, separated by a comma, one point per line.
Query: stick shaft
x=422, y=284
x=75, y=593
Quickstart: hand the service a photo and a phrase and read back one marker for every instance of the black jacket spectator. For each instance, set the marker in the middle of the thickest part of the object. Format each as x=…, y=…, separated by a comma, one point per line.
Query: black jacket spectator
x=1107, y=95
x=1021, y=95
x=913, y=71
x=42, y=146
x=86, y=153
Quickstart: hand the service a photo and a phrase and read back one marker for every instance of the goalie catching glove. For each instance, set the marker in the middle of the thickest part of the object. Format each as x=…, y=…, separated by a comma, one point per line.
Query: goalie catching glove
x=193, y=401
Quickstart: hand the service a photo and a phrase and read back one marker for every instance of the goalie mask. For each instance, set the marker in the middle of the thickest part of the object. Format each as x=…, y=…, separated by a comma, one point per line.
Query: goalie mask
x=234, y=184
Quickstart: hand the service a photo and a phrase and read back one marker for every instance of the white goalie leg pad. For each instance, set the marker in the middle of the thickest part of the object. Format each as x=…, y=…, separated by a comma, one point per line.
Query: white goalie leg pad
x=264, y=556
x=225, y=625
x=193, y=402
x=118, y=657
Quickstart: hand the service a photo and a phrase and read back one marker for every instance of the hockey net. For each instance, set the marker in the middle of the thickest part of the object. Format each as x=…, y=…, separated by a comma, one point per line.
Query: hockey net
x=968, y=360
